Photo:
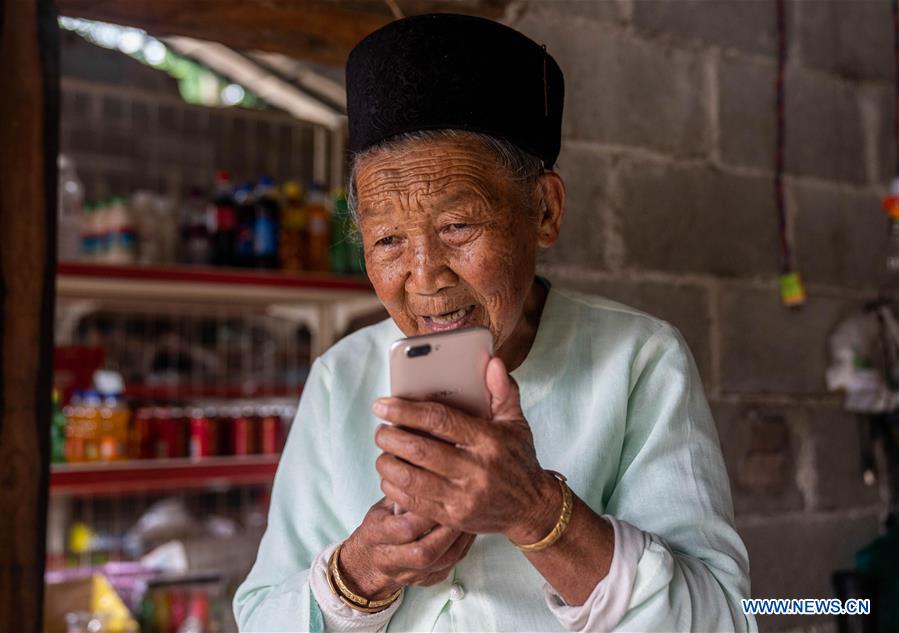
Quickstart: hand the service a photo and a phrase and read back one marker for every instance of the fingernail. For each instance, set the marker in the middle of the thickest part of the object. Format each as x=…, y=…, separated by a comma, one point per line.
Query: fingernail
x=379, y=407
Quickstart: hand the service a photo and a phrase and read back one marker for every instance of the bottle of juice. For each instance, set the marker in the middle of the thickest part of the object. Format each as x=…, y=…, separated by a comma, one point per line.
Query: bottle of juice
x=113, y=429
x=319, y=229
x=74, y=447
x=90, y=425
x=292, y=247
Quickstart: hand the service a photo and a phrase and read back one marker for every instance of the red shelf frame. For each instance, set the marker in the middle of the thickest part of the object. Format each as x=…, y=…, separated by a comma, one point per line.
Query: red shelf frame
x=188, y=392
x=152, y=475
x=224, y=276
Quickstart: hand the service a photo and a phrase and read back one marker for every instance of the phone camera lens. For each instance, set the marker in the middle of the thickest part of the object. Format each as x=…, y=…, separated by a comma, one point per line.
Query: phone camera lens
x=418, y=350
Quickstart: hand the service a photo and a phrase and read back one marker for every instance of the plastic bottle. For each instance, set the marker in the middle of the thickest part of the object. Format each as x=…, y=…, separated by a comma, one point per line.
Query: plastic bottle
x=244, y=242
x=100, y=229
x=195, y=240
x=197, y=620
x=221, y=218
x=120, y=247
x=265, y=225
x=57, y=431
x=90, y=425
x=292, y=247
x=346, y=251
x=112, y=431
x=87, y=238
x=319, y=229
x=167, y=225
x=69, y=210
x=146, y=228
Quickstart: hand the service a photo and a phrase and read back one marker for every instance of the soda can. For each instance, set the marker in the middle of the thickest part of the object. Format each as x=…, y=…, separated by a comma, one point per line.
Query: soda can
x=167, y=432
x=269, y=432
x=201, y=440
x=242, y=433
x=143, y=433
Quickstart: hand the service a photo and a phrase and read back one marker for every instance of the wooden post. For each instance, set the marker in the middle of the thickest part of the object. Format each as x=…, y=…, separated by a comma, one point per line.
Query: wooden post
x=29, y=113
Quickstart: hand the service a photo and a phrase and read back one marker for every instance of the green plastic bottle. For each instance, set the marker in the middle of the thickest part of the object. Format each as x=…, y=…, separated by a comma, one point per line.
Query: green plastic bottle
x=57, y=431
x=346, y=249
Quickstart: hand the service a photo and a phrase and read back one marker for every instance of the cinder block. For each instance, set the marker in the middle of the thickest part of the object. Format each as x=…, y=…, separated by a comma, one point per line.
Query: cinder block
x=822, y=121
x=767, y=348
x=794, y=556
x=619, y=89
x=696, y=219
x=824, y=135
x=840, y=236
x=746, y=112
x=748, y=26
x=586, y=177
x=761, y=449
x=885, y=144
x=834, y=437
x=848, y=37
x=684, y=306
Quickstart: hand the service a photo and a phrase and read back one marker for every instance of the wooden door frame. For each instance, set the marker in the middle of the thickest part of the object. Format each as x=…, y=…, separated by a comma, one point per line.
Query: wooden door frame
x=29, y=138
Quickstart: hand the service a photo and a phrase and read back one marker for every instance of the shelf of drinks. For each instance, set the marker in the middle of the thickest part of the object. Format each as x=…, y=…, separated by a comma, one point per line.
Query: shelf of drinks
x=155, y=475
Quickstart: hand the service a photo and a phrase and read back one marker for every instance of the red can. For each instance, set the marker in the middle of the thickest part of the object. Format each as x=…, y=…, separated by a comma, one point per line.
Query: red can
x=242, y=433
x=269, y=432
x=143, y=434
x=168, y=440
x=202, y=441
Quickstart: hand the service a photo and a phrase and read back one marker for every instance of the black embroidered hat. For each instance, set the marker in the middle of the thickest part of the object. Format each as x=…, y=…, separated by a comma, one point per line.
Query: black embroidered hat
x=448, y=71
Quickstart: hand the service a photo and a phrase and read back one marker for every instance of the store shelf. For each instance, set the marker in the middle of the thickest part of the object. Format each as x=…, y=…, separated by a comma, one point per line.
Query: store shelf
x=198, y=284
x=206, y=275
x=154, y=475
x=189, y=392
x=325, y=303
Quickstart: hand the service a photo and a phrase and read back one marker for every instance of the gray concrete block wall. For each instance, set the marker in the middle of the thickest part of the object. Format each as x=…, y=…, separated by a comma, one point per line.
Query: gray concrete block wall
x=668, y=154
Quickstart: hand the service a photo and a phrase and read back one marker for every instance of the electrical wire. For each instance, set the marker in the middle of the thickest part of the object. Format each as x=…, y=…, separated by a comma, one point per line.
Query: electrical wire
x=896, y=62
x=792, y=292
x=786, y=261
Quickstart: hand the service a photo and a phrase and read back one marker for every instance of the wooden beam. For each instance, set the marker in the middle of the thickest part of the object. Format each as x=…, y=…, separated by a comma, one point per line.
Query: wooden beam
x=321, y=31
x=314, y=31
x=29, y=45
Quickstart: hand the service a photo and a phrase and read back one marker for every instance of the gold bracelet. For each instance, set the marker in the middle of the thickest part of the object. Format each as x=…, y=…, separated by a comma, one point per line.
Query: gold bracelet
x=561, y=524
x=353, y=600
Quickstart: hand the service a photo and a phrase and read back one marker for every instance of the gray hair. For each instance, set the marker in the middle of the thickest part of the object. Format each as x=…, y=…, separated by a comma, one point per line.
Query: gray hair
x=522, y=166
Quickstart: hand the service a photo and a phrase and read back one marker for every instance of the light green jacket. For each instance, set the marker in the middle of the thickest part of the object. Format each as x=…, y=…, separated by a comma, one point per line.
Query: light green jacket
x=615, y=403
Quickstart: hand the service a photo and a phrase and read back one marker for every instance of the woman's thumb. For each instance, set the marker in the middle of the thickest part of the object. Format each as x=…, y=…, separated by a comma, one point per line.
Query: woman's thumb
x=504, y=398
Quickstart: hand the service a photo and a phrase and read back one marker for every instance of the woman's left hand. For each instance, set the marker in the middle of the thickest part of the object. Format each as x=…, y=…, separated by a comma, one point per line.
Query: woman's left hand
x=480, y=476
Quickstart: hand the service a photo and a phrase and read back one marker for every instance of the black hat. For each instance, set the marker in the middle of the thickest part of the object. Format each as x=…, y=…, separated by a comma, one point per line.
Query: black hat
x=447, y=71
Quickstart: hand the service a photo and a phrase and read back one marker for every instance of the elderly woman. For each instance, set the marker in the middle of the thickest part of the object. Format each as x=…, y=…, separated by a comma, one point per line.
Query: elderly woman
x=455, y=125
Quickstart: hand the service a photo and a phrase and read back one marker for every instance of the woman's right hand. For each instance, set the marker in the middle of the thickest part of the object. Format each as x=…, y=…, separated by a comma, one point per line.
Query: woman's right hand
x=389, y=551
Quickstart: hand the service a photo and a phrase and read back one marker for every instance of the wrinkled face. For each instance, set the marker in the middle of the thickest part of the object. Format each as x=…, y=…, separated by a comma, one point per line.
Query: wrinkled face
x=449, y=238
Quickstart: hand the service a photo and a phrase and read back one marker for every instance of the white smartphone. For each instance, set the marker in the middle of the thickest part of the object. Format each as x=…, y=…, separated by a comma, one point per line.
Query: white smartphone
x=447, y=367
